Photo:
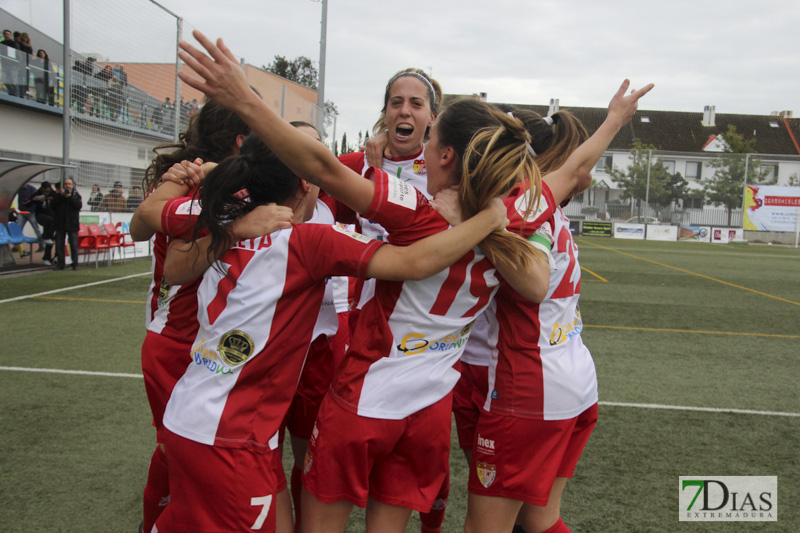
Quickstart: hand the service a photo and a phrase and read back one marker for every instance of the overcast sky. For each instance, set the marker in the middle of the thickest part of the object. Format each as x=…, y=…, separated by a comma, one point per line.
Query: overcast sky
x=741, y=56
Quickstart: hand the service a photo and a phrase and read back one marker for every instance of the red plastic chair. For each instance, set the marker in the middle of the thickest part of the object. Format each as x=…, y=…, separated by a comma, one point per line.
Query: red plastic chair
x=123, y=242
x=101, y=243
x=85, y=241
x=118, y=239
x=114, y=240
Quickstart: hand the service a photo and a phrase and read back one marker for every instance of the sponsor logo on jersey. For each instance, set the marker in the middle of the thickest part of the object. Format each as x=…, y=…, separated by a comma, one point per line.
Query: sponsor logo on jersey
x=522, y=203
x=401, y=193
x=486, y=473
x=419, y=166
x=308, y=461
x=188, y=207
x=485, y=446
x=209, y=359
x=415, y=343
x=235, y=347
x=564, y=332
x=163, y=292
x=353, y=234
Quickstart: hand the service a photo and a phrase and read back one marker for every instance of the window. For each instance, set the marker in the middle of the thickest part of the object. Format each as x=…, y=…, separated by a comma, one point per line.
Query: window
x=604, y=162
x=770, y=172
x=693, y=203
x=693, y=170
x=669, y=165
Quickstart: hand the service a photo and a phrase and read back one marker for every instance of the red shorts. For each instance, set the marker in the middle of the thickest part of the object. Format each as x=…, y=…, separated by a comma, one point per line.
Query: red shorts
x=314, y=383
x=164, y=362
x=216, y=489
x=469, y=395
x=277, y=464
x=396, y=462
x=520, y=458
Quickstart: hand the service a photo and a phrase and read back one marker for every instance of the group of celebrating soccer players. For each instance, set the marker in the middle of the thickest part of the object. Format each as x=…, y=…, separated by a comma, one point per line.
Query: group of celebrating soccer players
x=458, y=294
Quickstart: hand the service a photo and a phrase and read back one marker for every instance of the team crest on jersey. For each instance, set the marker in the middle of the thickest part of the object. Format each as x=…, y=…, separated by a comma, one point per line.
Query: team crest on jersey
x=163, y=292
x=466, y=329
x=353, y=234
x=419, y=166
x=522, y=203
x=486, y=473
x=236, y=347
x=308, y=461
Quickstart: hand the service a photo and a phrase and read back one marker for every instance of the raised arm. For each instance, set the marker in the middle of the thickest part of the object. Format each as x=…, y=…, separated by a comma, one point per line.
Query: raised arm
x=433, y=254
x=188, y=260
x=564, y=181
x=225, y=82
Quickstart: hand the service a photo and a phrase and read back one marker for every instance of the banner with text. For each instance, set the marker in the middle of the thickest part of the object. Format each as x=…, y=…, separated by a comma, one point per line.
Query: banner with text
x=771, y=208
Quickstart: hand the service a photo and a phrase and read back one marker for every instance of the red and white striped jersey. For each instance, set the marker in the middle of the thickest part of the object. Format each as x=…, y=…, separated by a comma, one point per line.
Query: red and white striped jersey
x=410, y=335
x=541, y=369
x=410, y=170
x=256, y=322
x=172, y=309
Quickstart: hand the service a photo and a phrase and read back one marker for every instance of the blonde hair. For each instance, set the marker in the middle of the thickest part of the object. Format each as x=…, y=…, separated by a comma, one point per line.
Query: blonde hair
x=494, y=155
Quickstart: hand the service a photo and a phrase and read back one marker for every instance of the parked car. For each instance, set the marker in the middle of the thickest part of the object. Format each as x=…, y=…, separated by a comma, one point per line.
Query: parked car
x=643, y=220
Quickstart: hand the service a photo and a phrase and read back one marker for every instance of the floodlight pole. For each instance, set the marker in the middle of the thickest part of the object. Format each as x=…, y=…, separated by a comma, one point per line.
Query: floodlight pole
x=323, y=37
x=65, y=125
x=647, y=190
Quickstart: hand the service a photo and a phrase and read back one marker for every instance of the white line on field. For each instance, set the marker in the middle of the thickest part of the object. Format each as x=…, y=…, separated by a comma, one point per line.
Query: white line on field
x=78, y=372
x=703, y=409
x=72, y=288
x=611, y=404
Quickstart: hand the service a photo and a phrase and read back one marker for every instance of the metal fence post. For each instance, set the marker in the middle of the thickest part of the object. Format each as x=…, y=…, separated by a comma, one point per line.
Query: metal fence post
x=647, y=191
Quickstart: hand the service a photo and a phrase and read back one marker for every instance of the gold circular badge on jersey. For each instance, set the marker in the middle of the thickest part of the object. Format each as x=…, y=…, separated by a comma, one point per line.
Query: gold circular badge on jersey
x=236, y=347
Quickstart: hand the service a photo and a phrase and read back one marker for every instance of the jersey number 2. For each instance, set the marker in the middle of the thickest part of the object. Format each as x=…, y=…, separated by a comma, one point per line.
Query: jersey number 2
x=566, y=288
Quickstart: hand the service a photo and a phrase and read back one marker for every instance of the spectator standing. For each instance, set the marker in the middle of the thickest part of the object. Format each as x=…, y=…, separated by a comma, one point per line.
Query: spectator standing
x=95, y=198
x=42, y=199
x=9, y=62
x=114, y=201
x=44, y=93
x=67, y=207
x=27, y=210
x=135, y=197
x=24, y=43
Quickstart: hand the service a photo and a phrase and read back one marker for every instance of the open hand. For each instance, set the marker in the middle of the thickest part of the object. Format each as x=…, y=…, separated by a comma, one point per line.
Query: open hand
x=222, y=77
x=262, y=220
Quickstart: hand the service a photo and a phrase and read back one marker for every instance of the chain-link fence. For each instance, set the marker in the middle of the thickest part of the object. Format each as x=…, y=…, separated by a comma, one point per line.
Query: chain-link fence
x=124, y=93
x=680, y=188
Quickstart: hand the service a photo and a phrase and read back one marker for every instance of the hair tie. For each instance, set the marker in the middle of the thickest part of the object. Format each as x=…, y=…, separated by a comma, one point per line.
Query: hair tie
x=243, y=194
x=510, y=114
x=548, y=120
x=530, y=149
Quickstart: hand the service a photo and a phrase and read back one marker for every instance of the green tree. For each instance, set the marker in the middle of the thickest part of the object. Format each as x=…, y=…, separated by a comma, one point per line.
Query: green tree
x=299, y=70
x=660, y=190
x=345, y=149
x=726, y=186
